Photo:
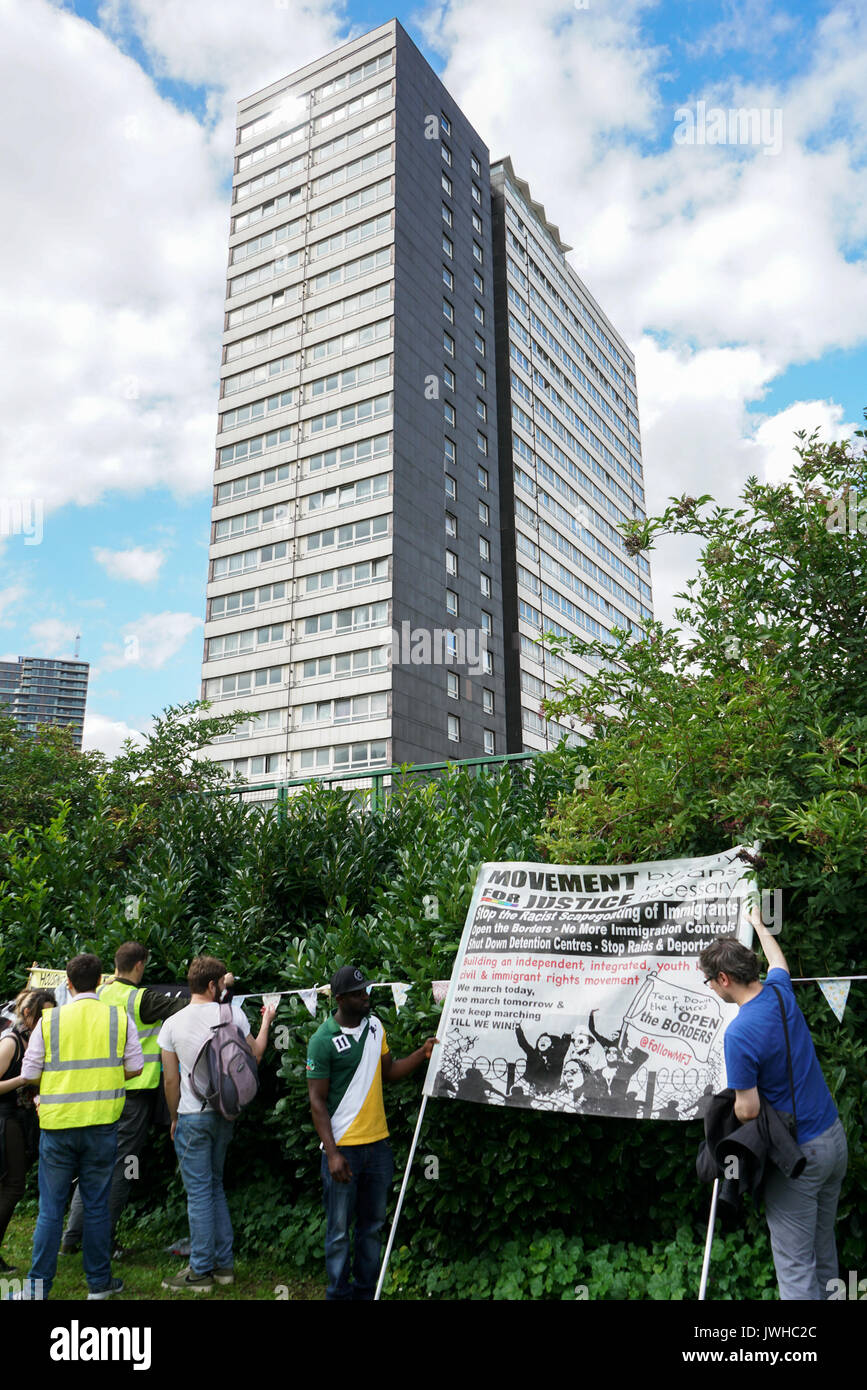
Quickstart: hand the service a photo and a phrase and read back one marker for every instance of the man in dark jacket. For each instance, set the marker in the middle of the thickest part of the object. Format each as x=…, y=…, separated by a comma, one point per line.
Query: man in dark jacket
x=800, y=1210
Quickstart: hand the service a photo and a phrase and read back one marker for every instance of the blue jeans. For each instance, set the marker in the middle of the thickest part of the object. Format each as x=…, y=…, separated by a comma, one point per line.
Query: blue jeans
x=363, y=1199
x=201, y=1142
x=88, y=1152
x=801, y=1213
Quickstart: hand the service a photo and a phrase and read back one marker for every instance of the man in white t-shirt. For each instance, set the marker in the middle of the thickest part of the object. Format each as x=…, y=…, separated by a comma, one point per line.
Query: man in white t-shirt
x=201, y=1134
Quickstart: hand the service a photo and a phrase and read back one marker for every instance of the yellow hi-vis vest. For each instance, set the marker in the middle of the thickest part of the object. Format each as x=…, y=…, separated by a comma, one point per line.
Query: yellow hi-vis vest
x=129, y=998
x=82, y=1079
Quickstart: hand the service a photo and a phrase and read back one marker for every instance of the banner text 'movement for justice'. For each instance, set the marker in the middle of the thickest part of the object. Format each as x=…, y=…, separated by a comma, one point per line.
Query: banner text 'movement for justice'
x=578, y=988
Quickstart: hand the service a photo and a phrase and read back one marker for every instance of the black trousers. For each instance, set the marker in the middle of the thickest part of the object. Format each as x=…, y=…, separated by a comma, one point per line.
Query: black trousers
x=132, y=1133
x=17, y=1160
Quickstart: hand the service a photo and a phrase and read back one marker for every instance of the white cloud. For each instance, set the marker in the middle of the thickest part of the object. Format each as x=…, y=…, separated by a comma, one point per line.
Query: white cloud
x=10, y=597
x=150, y=641
x=53, y=637
x=137, y=564
x=116, y=229
x=219, y=45
x=775, y=441
x=107, y=736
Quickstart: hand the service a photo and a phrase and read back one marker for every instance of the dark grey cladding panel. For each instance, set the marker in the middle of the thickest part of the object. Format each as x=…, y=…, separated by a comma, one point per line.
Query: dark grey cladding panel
x=420, y=701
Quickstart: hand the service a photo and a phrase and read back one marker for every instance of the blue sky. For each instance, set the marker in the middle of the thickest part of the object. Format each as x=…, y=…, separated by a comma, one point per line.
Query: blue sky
x=736, y=274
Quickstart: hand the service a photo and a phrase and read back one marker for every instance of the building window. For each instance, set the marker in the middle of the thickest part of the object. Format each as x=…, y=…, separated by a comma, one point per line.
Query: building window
x=481, y=409
x=484, y=514
x=483, y=477
x=449, y=451
x=445, y=123
x=448, y=344
x=449, y=378
x=484, y=548
x=487, y=701
x=451, y=487
x=448, y=310
x=490, y=742
x=454, y=729
x=477, y=223
x=449, y=414
x=478, y=282
x=477, y=252
x=487, y=662
x=485, y=580
x=446, y=153
x=448, y=246
x=454, y=686
x=475, y=165
x=451, y=525
x=479, y=344
x=451, y=563
x=479, y=312
x=451, y=602
x=481, y=376
x=447, y=215
x=487, y=624
x=448, y=278
x=477, y=194
x=481, y=441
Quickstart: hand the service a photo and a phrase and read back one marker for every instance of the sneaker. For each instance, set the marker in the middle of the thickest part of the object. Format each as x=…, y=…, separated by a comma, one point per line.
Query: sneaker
x=224, y=1276
x=70, y=1245
x=195, y=1283
x=115, y=1286
x=5, y=1268
x=120, y=1253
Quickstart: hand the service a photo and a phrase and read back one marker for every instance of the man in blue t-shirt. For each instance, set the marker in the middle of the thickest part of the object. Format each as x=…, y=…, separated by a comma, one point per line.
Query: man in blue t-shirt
x=800, y=1211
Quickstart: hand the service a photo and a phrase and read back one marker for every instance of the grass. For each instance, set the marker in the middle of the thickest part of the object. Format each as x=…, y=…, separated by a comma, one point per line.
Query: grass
x=146, y=1265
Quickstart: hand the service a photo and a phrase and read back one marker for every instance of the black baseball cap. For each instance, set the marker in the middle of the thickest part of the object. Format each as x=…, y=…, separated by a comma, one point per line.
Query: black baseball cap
x=347, y=979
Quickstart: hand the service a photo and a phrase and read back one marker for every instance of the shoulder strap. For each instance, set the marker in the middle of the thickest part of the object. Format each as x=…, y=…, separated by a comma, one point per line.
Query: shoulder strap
x=788, y=1055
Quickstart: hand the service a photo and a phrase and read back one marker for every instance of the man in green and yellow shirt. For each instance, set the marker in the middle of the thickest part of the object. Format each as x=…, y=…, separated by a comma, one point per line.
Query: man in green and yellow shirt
x=347, y=1061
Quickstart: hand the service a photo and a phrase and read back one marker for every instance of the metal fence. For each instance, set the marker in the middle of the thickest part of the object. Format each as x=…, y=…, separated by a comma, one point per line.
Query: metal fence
x=371, y=789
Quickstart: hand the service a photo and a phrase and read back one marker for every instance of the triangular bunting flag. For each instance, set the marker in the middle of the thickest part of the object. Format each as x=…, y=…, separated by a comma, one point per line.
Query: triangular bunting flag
x=400, y=992
x=440, y=990
x=239, y=999
x=308, y=998
x=836, y=992
x=271, y=1001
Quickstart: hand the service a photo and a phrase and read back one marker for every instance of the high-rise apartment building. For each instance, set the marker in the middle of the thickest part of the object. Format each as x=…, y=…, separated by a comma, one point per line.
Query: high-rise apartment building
x=38, y=690
x=570, y=463
x=359, y=602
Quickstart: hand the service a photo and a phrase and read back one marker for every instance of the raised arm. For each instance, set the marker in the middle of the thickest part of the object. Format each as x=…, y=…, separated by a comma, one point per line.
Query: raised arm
x=773, y=954
x=260, y=1042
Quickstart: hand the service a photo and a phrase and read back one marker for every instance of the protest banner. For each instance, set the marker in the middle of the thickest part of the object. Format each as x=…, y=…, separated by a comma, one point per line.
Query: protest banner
x=578, y=989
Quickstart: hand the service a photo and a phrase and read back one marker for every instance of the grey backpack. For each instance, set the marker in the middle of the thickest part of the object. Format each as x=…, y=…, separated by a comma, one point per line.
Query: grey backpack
x=224, y=1075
